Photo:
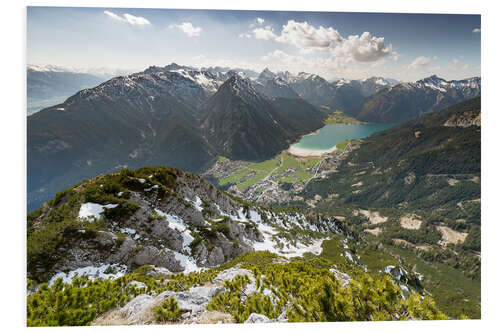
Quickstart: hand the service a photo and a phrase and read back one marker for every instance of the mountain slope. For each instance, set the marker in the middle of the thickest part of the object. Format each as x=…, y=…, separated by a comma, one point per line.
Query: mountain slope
x=410, y=165
x=158, y=216
x=241, y=123
x=144, y=118
x=406, y=101
x=88, y=241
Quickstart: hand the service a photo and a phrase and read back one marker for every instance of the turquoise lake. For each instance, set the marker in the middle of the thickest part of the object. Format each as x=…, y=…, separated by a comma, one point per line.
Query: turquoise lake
x=329, y=135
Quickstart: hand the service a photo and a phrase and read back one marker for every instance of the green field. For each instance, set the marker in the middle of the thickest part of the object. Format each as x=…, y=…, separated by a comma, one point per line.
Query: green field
x=338, y=117
x=250, y=173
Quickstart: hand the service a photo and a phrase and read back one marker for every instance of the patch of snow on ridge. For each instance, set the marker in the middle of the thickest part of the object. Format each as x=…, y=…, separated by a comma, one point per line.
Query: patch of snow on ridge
x=203, y=81
x=255, y=216
x=175, y=222
x=90, y=210
x=92, y=272
x=288, y=250
x=432, y=86
x=196, y=203
x=187, y=262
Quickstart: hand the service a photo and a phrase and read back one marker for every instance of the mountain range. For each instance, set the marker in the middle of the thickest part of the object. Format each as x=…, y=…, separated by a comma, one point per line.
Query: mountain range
x=163, y=115
x=185, y=117
x=406, y=101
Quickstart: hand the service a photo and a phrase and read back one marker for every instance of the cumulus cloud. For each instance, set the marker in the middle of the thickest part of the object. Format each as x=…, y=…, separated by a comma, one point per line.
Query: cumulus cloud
x=128, y=18
x=420, y=62
x=308, y=38
x=260, y=21
x=302, y=34
x=265, y=33
x=455, y=61
x=476, y=31
x=364, y=48
x=188, y=28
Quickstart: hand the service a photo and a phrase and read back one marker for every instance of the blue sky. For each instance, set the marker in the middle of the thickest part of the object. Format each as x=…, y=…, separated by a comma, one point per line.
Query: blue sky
x=348, y=45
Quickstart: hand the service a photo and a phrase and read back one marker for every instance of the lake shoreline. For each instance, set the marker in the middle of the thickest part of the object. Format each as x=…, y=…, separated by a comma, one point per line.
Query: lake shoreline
x=303, y=152
x=325, y=139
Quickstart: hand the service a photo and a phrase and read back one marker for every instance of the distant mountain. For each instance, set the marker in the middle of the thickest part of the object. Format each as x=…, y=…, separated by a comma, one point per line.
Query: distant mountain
x=242, y=123
x=128, y=121
x=345, y=95
x=247, y=72
x=104, y=73
x=265, y=76
x=406, y=101
x=47, y=87
x=373, y=84
x=277, y=87
x=153, y=118
x=313, y=88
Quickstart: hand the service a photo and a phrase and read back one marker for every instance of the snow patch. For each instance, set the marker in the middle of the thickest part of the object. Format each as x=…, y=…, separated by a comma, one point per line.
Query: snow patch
x=175, y=222
x=187, y=262
x=288, y=250
x=92, y=272
x=92, y=211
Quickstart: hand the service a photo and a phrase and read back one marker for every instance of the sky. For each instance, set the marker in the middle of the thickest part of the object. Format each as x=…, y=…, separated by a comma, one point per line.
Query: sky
x=406, y=47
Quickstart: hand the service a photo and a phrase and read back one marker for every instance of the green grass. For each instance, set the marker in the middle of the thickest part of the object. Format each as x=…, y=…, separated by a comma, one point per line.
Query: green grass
x=236, y=177
x=454, y=293
x=249, y=173
x=341, y=145
x=338, y=117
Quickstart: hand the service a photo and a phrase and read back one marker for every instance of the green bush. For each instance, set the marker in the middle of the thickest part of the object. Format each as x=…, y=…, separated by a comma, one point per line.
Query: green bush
x=168, y=311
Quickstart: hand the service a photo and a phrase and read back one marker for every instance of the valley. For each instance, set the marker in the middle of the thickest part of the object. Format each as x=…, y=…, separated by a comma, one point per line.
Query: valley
x=289, y=186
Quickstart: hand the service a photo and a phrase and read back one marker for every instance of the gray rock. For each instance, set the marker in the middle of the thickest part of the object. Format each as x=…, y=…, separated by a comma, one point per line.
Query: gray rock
x=150, y=255
x=124, y=252
x=344, y=278
x=257, y=318
x=188, y=301
x=170, y=237
x=216, y=257
x=106, y=238
x=136, y=284
x=136, y=305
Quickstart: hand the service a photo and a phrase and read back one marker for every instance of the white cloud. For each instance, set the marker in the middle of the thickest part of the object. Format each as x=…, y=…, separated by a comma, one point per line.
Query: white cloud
x=302, y=35
x=364, y=48
x=476, y=31
x=308, y=38
x=128, y=18
x=420, y=62
x=260, y=20
x=265, y=33
x=465, y=67
x=188, y=29
x=455, y=61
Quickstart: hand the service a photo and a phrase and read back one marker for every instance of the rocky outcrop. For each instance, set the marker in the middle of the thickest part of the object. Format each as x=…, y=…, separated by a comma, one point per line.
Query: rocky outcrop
x=464, y=119
x=181, y=228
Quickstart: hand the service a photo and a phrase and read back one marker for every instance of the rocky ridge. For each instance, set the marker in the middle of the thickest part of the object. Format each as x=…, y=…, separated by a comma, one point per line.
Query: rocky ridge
x=182, y=227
